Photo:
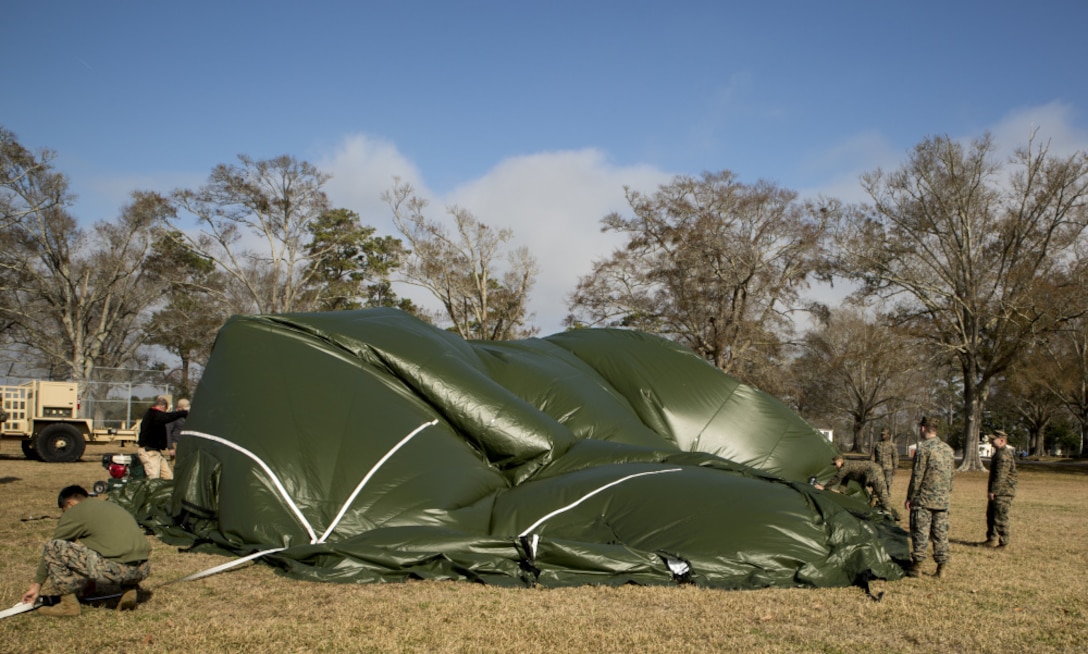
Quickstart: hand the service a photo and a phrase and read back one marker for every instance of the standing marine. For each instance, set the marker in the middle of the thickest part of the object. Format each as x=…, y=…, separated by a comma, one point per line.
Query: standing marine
x=1000, y=490
x=927, y=499
x=886, y=455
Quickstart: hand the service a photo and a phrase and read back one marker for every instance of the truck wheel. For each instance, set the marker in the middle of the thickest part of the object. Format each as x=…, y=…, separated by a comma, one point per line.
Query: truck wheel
x=60, y=443
x=29, y=451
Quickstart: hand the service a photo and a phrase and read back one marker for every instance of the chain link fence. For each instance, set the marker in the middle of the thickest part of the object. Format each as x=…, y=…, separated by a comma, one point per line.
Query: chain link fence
x=116, y=398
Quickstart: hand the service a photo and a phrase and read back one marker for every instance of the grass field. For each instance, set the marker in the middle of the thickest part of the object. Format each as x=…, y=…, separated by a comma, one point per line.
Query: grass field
x=1032, y=597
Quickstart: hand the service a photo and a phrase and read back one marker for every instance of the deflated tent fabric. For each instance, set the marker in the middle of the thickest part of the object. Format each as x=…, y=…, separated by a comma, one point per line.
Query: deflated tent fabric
x=374, y=447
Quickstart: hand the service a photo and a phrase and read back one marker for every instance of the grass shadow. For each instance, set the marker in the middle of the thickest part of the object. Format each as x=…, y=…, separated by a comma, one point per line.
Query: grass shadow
x=968, y=543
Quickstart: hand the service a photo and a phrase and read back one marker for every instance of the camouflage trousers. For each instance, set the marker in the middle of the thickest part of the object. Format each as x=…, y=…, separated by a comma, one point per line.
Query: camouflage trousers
x=997, y=518
x=880, y=493
x=71, y=566
x=889, y=475
x=926, y=525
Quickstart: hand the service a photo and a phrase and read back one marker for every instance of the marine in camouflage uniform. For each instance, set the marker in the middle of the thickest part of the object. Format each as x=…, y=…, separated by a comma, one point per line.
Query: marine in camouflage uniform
x=1000, y=490
x=112, y=551
x=886, y=455
x=867, y=474
x=927, y=499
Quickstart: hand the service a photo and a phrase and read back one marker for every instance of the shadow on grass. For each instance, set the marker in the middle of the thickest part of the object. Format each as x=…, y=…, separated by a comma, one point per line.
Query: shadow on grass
x=968, y=543
x=8, y=480
x=108, y=598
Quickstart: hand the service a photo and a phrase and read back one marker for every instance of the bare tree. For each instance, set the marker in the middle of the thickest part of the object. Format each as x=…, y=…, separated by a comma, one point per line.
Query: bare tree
x=1026, y=392
x=28, y=187
x=255, y=221
x=1067, y=352
x=862, y=366
x=28, y=183
x=78, y=299
x=713, y=263
x=461, y=268
x=966, y=247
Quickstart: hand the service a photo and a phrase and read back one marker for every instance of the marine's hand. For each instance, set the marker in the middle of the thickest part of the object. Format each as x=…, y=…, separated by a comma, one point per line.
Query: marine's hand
x=31, y=594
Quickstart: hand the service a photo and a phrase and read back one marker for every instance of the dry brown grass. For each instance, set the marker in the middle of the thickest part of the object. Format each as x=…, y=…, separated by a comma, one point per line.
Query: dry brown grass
x=1033, y=597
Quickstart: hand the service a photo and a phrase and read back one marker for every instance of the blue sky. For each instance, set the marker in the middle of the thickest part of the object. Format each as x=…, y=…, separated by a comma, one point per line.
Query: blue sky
x=531, y=115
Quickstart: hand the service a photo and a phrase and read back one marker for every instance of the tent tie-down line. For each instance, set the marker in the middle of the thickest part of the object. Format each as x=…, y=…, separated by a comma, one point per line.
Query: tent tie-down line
x=314, y=539
x=527, y=536
x=531, y=539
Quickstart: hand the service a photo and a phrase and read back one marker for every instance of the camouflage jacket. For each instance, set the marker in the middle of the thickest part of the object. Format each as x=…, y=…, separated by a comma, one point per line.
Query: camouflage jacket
x=931, y=477
x=1002, y=472
x=886, y=455
x=863, y=472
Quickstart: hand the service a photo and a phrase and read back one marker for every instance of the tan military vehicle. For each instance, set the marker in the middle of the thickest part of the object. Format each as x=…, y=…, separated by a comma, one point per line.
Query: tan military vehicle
x=45, y=417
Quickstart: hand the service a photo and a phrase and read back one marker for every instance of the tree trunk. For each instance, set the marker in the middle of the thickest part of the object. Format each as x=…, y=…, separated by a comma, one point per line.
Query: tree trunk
x=859, y=426
x=972, y=411
x=1035, y=440
x=1038, y=445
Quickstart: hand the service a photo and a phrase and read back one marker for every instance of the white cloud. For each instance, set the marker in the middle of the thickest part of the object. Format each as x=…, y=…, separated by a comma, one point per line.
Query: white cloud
x=843, y=165
x=362, y=169
x=101, y=196
x=1053, y=122
x=552, y=201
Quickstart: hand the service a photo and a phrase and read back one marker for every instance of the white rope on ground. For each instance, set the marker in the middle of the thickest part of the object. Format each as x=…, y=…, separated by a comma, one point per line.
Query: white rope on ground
x=225, y=566
x=366, y=478
x=268, y=471
x=17, y=609
x=591, y=494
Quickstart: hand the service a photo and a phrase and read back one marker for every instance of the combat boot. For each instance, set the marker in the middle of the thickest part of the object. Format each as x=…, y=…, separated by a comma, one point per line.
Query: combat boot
x=912, y=570
x=990, y=542
x=941, y=568
x=128, y=600
x=68, y=607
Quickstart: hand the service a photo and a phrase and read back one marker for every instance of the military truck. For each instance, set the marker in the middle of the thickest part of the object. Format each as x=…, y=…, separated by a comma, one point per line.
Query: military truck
x=45, y=417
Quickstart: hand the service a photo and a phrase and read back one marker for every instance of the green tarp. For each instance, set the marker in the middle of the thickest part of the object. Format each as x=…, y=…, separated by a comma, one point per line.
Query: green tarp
x=374, y=447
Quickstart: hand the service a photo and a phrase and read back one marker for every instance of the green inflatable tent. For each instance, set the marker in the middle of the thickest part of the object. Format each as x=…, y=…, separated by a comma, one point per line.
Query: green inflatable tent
x=368, y=446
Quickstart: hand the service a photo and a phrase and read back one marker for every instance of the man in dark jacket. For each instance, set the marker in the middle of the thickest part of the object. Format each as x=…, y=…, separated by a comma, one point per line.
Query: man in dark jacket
x=153, y=440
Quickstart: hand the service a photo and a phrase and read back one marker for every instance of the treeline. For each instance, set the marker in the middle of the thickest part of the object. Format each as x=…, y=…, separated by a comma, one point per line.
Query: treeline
x=968, y=276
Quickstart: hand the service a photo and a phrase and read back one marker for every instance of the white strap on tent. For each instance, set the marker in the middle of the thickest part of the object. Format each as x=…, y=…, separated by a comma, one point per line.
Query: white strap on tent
x=225, y=566
x=591, y=494
x=366, y=478
x=275, y=480
x=17, y=609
